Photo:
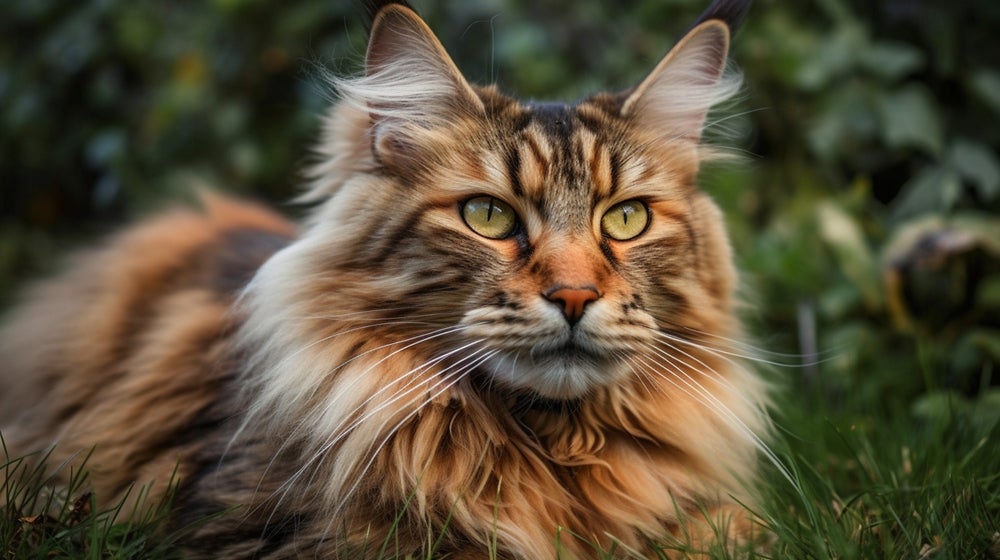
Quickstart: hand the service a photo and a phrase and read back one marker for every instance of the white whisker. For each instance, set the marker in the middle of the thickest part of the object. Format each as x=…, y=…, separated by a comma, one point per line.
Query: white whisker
x=717, y=378
x=340, y=431
x=754, y=352
x=413, y=341
x=446, y=382
x=714, y=403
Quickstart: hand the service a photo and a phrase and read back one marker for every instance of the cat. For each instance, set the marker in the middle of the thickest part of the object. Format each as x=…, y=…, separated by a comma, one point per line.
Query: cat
x=506, y=328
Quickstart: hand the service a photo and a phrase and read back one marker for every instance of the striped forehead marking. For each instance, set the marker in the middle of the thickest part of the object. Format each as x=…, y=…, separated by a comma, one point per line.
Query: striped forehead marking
x=558, y=149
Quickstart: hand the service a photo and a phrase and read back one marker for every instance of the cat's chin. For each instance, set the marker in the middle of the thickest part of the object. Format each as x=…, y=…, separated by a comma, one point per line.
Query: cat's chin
x=561, y=374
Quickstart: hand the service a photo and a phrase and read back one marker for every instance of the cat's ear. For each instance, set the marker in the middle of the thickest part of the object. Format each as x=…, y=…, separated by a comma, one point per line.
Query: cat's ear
x=677, y=95
x=411, y=85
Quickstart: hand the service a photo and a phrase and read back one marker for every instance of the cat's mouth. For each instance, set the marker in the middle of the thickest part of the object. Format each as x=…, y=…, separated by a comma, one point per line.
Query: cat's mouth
x=570, y=351
x=567, y=370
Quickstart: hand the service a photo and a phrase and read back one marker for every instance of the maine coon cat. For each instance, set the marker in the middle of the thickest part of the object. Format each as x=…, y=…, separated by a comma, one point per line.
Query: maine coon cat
x=505, y=326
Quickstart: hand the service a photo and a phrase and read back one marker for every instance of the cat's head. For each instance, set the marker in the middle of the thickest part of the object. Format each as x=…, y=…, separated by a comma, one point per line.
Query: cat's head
x=558, y=247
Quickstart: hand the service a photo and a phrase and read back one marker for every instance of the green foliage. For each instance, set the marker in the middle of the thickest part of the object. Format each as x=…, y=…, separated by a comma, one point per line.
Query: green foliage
x=39, y=519
x=865, y=216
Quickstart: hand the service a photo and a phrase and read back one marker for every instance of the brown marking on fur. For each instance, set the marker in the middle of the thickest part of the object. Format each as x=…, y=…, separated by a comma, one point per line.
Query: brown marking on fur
x=155, y=300
x=600, y=167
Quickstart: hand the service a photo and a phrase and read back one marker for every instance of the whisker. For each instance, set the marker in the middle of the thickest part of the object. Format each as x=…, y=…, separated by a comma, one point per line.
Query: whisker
x=730, y=116
x=713, y=403
x=340, y=431
x=721, y=352
x=717, y=378
x=293, y=437
x=290, y=357
x=447, y=381
x=423, y=367
x=379, y=311
x=754, y=351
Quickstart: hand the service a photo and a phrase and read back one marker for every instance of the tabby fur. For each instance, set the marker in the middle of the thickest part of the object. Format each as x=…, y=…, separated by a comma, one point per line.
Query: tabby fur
x=383, y=373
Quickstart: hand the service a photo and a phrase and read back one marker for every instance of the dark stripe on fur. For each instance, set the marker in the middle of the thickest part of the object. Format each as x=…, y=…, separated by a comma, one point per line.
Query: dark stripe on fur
x=513, y=161
x=556, y=120
x=238, y=255
x=373, y=7
x=730, y=12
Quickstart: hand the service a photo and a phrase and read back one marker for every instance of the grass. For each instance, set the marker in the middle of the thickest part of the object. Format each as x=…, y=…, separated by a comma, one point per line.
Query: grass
x=880, y=485
x=39, y=519
x=872, y=480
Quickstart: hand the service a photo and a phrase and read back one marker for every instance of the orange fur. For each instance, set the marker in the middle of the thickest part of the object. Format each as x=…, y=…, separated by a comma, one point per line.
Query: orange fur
x=120, y=351
x=389, y=373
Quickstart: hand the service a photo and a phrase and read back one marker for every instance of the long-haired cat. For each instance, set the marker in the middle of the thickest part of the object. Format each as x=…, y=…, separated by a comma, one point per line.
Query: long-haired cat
x=506, y=328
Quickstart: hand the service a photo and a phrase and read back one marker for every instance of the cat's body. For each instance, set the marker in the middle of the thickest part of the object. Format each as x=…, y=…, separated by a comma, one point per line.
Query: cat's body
x=505, y=325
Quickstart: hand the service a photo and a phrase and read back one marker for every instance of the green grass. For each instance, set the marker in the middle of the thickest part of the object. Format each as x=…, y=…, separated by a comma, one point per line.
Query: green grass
x=923, y=482
x=873, y=480
x=39, y=519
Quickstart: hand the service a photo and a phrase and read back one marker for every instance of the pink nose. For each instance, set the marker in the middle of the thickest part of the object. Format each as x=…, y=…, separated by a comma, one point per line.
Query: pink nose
x=573, y=300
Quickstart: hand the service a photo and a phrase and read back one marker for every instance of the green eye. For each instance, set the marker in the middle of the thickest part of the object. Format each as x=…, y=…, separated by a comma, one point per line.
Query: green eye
x=625, y=220
x=489, y=217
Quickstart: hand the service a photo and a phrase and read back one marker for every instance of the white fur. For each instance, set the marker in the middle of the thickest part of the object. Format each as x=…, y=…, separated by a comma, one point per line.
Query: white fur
x=677, y=95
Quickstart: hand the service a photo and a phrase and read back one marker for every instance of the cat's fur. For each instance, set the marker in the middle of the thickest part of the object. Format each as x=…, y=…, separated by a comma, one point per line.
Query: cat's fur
x=385, y=370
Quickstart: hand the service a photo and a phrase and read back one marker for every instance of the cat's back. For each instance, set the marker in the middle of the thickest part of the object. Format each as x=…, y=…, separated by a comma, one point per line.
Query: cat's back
x=124, y=348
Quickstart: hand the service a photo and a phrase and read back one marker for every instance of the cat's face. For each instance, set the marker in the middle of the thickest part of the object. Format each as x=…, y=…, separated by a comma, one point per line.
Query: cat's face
x=552, y=245
x=577, y=239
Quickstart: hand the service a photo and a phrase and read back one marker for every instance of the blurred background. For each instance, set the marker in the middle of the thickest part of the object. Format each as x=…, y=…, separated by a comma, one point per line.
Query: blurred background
x=864, y=212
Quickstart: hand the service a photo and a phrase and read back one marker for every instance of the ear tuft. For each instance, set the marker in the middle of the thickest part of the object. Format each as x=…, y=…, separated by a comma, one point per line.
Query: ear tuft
x=675, y=98
x=410, y=86
x=373, y=7
x=730, y=12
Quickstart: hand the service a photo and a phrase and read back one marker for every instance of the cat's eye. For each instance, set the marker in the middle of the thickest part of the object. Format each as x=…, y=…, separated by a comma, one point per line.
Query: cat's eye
x=489, y=217
x=625, y=220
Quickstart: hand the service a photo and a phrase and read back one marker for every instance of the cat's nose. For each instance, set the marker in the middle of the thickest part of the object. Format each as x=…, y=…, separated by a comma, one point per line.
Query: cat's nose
x=572, y=300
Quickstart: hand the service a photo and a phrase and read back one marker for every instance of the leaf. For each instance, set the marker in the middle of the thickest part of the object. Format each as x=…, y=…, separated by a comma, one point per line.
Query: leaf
x=892, y=60
x=979, y=165
x=984, y=227
x=984, y=412
x=935, y=188
x=939, y=406
x=987, y=340
x=985, y=84
x=843, y=234
x=910, y=119
x=847, y=119
x=834, y=56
